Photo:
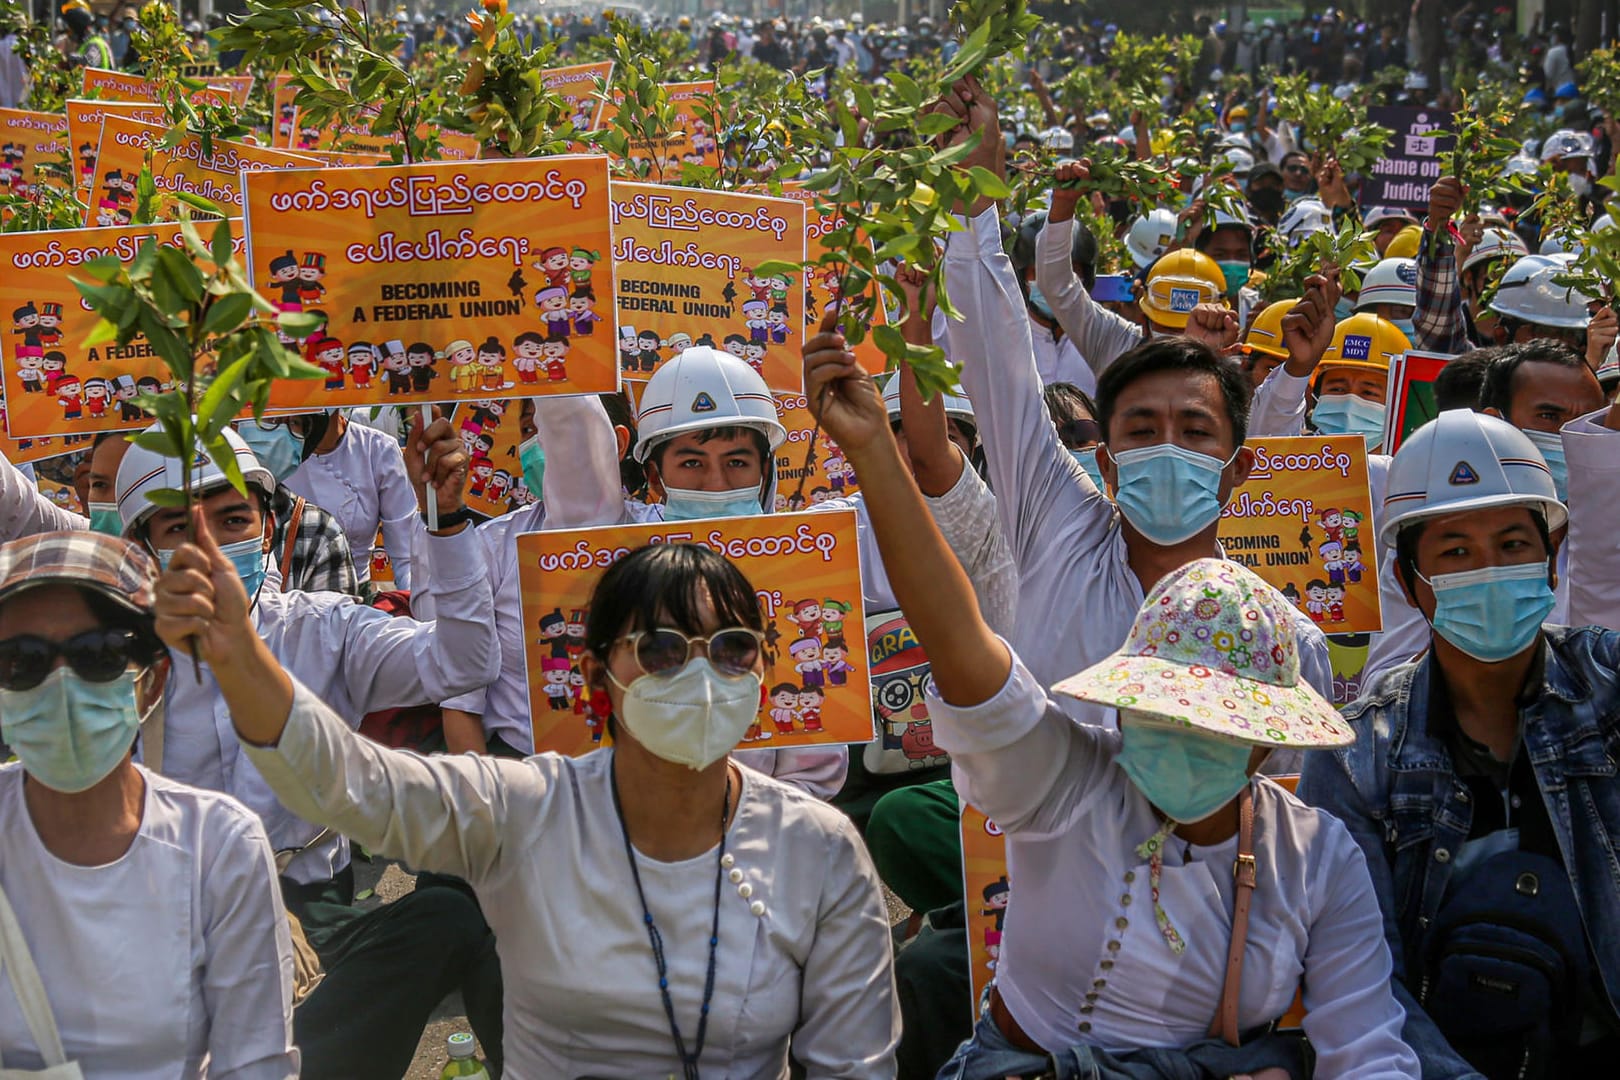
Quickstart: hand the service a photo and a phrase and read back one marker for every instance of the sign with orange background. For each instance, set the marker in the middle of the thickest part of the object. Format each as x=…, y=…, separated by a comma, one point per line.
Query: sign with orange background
x=27, y=141
x=442, y=281
x=823, y=289
x=182, y=168
x=122, y=86
x=683, y=260
x=580, y=85
x=84, y=119
x=805, y=569
x=491, y=430
x=829, y=475
x=691, y=138
x=18, y=451
x=986, y=891
x=54, y=385
x=1303, y=522
x=291, y=133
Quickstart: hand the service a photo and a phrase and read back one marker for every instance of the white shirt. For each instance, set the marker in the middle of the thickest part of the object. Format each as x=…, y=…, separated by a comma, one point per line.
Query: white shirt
x=1591, y=576
x=24, y=511
x=173, y=961
x=1058, y=361
x=1100, y=335
x=362, y=483
x=358, y=659
x=1079, y=595
x=1081, y=918
x=541, y=845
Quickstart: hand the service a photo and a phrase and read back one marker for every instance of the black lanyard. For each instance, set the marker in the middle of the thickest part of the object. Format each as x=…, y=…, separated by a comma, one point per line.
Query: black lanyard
x=689, y=1062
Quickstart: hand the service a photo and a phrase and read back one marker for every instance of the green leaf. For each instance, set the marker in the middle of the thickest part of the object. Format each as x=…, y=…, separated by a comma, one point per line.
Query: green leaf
x=227, y=313
x=890, y=341
x=221, y=247
x=988, y=183
x=197, y=202
x=363, y=894
x=176, y=271
x=224, y=458
x=103, y=333
x=169, y=498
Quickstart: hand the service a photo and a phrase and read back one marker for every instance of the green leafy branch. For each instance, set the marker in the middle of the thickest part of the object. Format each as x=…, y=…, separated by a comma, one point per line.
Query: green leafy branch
x=1479, y=147
x=1345, y=248
x=1330, y=126
x=503, y=99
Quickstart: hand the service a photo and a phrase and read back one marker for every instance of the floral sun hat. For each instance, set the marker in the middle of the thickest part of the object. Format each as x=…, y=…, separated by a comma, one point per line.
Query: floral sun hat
x=1213, y=647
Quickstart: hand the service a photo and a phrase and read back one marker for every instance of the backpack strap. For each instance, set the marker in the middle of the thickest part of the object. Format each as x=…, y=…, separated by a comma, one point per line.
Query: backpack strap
x=293, y=520
x=1225, y=1024
x=27, y=986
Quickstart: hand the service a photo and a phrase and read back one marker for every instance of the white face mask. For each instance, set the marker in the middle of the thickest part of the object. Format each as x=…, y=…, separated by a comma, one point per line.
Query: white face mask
x=694, y=717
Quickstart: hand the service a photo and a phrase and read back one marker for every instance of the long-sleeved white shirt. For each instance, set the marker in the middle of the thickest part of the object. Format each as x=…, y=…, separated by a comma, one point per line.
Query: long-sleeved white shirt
x=1078, y=595
x=362, y=483
x=1100, y=335
x=1082, y=957
x=804, y=954
x=173, y=961
x=1590, y=575
x=24, y=511
x=358, y=659
x=1278, y=405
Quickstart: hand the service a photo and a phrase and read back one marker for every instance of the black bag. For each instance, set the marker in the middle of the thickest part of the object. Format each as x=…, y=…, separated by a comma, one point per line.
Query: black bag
x=1507, y=965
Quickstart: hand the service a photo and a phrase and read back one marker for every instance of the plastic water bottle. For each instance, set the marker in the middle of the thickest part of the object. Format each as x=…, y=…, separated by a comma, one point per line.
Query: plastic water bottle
x=463, y=1063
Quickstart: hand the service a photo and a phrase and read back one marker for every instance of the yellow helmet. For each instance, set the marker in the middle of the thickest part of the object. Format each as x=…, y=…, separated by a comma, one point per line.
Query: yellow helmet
x=1179, y=282
x=1405, y=244
x=1366, y=342
x=1265, y=333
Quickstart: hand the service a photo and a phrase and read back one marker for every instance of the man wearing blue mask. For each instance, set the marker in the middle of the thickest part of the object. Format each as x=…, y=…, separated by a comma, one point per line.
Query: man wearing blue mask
x=1478, y=786
x=385, y=973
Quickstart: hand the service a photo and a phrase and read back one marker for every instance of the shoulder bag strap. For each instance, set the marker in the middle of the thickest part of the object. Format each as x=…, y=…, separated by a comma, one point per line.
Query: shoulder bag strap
x=1225, y=1024
x=26, y=984
x=287, y=546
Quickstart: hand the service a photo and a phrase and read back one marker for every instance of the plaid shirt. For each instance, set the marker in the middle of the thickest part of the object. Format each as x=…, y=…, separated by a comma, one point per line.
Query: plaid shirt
x=321, y=558
x=1438, y=321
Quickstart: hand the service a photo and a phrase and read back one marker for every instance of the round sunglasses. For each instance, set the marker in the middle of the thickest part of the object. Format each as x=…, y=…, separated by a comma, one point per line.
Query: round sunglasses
x=732, y=651
x=99, y=655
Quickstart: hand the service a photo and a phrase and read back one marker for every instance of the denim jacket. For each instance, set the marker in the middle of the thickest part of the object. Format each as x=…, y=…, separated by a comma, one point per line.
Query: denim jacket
x=1396, y=790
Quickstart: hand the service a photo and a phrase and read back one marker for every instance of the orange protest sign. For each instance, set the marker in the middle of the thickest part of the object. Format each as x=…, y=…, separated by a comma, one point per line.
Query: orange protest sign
x=121, y=86
x=805, y=569
x=352, y=136
x=28, y=140
x=824, y=289
x=691, y=138
x=829, y=476
x=53, y=384
x=121, y=155
x=491, y=432
x=18, y=451
x=440, y=281
x=1303, y=522
x=683, y=260
x=579, y=85
x=239, y=87
x=84, y=136
x=986, y=890
x=347, y=157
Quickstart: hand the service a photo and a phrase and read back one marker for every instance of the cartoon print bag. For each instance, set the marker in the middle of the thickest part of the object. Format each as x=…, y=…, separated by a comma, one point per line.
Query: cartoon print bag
x=900, y=681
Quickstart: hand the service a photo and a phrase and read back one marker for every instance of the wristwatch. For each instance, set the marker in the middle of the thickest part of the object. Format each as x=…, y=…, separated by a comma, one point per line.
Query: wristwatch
x=451, y=520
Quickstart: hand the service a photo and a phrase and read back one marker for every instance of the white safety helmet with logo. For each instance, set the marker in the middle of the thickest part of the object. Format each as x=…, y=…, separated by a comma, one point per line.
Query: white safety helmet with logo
x=1495, y=244
x=1377, y=215
x=1390, y=281
x=1306, y=216
x=1567, y=144
x=1529, y=293
x=1461, y=461
x=1151, y=236
x=1058, y=138
x=143, y=471
x=957, y=407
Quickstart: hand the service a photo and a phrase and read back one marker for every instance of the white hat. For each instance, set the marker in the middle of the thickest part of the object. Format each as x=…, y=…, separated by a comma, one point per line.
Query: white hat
x=144, y=471
x=1463, y=460
x=705, y=388
x=1495, y=243
x=957, y=406
x=1151, y=236
x=1529, y=293
x=1306, y=216
x=1391, y=281
x=1377, y=215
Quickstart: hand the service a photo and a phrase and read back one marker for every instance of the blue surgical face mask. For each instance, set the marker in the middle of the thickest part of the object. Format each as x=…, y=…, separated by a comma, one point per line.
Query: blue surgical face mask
x=248, y=556
x=1347, y=414
x=105, y=518
x=1088, y=462
x=1494, y=612
x=1186, y=773
x=69, y=732
x=1037, y=300
x=1168, y=493
x=683, y=505
x=1343, y=308
x=1405, y=326
x=277, y=449
x=1551, y=446
x=533, y=459
x=1236, y=272
x=1238, y=128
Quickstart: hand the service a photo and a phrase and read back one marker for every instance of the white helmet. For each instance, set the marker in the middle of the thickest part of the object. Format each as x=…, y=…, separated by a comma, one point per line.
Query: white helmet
x=1127, y=134
x=1463, y=460
x=1566, y=144
x=144, y=470
x=957, y=406
x=1608, y=372
x=1521, y=165
x=1495, y=243
x=1602, y=223
x=1306, y=216
x=1390, y=281
x=704, y=388
x=1528, y=293
x=1559, y=243
x=1242, y=160
x=1057, y=138
x=1377, y=215
x=1151, y=236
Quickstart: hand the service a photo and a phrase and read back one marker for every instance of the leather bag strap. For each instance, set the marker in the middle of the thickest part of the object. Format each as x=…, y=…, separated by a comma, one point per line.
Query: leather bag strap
x=1225, y=1024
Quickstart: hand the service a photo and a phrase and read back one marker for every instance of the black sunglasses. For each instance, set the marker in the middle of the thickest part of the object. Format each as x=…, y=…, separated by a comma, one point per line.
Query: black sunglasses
x=99, y=655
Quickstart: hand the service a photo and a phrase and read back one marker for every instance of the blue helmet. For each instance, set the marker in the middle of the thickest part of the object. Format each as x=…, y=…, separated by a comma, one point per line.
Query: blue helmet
x=1567, y=90
x=1535, y=96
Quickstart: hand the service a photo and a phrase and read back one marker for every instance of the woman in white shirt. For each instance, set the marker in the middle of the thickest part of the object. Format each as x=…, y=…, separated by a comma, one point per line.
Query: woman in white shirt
x=150, y=908
x=1122, y=914
x=659, y=910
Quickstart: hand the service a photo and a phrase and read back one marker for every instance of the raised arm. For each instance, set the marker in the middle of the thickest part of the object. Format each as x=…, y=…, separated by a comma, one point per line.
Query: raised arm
x=582, y=486
x=935, y=460
x=1592, y=449
x=1099, y=334
x=24, y=511
x=1437, y=320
